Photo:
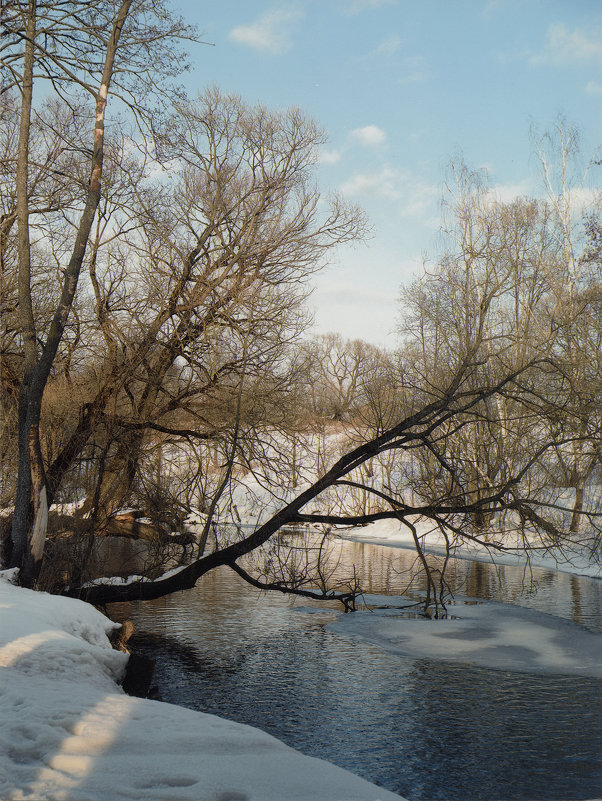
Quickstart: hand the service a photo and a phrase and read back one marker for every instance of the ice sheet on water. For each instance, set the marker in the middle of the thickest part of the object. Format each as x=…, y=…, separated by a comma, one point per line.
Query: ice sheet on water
x=313, y=610
x=491, y=635
x=389, y=601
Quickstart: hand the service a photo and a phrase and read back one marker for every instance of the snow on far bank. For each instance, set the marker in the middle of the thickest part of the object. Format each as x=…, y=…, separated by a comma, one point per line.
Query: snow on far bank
x=68, y=732
x=487, y=634
x=395, y=535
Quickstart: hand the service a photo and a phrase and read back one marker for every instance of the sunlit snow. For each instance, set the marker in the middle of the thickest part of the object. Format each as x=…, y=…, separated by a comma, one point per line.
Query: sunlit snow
x=68, y=732
x=394, y=534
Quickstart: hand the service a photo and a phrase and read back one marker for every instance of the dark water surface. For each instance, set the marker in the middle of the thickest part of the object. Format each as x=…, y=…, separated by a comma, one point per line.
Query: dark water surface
x=425, y=729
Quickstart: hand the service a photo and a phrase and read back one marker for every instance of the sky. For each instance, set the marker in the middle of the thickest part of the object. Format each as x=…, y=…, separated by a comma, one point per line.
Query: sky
x=403, y=88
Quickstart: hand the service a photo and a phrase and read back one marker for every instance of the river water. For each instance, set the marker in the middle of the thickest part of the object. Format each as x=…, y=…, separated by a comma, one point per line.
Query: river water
x=423, y=728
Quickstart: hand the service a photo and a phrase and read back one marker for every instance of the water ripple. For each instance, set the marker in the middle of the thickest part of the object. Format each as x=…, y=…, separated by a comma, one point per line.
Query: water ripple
x=429, y=730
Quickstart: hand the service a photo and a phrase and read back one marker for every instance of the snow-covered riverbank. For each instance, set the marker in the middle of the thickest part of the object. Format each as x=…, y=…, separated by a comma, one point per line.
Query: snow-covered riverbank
x=68, y=732
x=394, y=534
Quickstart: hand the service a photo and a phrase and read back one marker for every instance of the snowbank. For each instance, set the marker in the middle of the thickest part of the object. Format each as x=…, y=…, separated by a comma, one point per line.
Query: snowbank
x=68, y=732
x=487, y=634
x=395, y=535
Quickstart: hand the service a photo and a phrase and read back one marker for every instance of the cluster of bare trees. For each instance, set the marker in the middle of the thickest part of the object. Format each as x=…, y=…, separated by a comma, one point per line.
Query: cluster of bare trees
x=145, y=286
x=519, y=290
x=153, y=267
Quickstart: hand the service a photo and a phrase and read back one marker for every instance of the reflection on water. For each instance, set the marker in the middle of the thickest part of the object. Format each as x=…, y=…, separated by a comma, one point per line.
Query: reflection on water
x=389, y=570
x=425, y=729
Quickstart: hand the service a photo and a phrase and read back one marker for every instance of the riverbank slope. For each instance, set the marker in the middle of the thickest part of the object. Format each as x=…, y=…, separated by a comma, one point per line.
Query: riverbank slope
x=69, y=732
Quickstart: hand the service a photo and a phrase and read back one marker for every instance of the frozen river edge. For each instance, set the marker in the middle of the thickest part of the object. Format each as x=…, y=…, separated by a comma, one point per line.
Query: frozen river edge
x=69, y=732
x=487, y=634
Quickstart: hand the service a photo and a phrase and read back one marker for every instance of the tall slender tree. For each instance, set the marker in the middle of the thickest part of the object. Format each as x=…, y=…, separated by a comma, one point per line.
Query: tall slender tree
x=81, y=49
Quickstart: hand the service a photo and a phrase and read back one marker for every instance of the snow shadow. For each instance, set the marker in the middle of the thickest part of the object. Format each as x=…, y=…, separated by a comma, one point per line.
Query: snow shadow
x=67, y=732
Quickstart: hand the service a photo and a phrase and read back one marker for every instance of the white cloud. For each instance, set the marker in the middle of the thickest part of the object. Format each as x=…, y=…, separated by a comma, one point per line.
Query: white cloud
x=388, y=47
x=385, y=183
x=495, y=5
x=582, y=198
x=565, y=46
x=271, y=32
x=579, y=198
x=412, y=196
x=403, y=68
x=415, y=70
x=507, y=193
x=329, y=156
x=358, y=296
x=354, y=308
x=345, y=292
x=422, y=200
x=593, y=88
x=369, y=136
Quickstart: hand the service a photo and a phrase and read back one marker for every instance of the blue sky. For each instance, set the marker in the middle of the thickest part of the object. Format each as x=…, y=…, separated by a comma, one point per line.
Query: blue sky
x=402, y=88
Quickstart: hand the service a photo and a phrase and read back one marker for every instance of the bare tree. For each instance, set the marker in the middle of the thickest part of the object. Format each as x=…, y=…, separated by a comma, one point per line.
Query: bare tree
x=175, y=260
x=430, y=428
x=495, y=297
x=182, y=267
x=574, y=305
x=86, y=47
x=337, y=372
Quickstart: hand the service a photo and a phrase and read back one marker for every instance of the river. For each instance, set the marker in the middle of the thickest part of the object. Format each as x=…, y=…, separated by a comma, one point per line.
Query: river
x=426, y=729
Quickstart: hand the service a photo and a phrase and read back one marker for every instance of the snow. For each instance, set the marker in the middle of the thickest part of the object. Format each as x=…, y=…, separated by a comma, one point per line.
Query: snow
x=255, y=496
x=394, y=534
x=115, y=581
x=121, y=581
x=487, y=634
x=68, y=731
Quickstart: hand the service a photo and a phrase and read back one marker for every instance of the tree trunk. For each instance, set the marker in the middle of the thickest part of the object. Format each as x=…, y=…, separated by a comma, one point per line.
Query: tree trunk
x=28, y=545
x=577, y=509
x=22, y=514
